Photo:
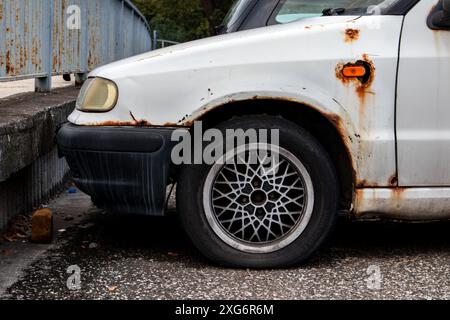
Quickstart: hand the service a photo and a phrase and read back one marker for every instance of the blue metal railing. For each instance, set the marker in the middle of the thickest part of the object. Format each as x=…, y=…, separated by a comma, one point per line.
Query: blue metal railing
x=41, y=38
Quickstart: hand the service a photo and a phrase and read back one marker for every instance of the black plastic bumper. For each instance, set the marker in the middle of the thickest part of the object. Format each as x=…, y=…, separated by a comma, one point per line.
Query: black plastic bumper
x=123, y=169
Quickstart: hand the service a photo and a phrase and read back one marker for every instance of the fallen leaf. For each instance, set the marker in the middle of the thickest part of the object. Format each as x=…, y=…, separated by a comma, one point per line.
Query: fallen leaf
x=173, y=254
x=9, y=238
x=112, y=289
x=93, y=245
x=6, y=252
x=21, y=236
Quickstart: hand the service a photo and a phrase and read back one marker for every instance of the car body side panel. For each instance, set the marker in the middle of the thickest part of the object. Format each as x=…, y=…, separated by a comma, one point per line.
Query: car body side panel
x=300, y=61
x=409, y=204
x=423, y=102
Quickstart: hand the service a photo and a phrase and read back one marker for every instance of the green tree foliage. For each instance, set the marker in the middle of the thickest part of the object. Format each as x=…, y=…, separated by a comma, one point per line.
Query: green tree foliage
x=184, y=20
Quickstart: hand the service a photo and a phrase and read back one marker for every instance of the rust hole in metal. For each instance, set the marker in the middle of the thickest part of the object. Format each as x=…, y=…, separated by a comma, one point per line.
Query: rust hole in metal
x=351, y=35
x=393, y=181
x=362, y=84
x=362, y=183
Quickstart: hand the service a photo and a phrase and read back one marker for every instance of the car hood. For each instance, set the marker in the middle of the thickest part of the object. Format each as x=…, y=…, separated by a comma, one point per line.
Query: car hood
x=172, y=86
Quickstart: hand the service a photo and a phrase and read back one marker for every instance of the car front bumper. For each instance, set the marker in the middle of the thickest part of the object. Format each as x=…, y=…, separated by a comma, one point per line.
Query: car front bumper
x=123, y=169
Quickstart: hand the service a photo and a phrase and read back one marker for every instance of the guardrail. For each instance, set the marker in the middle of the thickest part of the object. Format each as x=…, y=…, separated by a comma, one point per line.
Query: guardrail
x=161, y=43
x=41, y=38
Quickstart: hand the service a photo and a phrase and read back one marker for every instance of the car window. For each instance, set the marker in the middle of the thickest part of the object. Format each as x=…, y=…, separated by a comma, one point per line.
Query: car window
x=292, y=10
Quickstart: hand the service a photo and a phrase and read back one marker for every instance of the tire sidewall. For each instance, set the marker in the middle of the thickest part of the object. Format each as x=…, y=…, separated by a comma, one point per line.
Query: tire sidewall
x=319, y=166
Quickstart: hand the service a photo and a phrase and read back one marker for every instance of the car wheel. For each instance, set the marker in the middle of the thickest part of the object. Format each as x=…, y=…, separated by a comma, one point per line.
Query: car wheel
x=240, y=213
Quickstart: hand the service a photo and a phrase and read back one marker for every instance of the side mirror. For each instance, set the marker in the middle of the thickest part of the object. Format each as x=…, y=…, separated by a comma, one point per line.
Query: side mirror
x=440, y=17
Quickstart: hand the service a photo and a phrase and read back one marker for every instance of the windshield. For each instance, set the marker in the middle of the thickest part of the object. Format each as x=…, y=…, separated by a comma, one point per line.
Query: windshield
x=292, y=10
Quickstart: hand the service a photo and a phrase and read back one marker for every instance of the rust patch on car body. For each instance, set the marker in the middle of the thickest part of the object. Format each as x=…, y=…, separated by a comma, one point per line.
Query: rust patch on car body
x=397, y=193
x=333, y=118
x=362, y=199
x=138, y=123
x=349, y=139
x=393, y=180
x=363, y=184
x=363, y=84
x=351, y=35
x=133, y=123
x=171, y=124
x=112, y=123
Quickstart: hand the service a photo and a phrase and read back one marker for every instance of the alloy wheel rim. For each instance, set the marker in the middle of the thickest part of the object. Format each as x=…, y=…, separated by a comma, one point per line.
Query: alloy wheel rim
x=255, y=207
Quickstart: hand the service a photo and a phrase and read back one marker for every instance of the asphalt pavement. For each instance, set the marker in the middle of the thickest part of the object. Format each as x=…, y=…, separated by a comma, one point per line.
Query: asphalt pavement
x=134, y=257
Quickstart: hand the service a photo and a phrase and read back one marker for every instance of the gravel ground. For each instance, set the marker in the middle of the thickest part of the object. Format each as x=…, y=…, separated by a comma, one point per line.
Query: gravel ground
x=129, y=257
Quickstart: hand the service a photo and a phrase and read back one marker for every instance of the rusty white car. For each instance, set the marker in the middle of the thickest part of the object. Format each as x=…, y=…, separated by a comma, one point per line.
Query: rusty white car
x=358, y=90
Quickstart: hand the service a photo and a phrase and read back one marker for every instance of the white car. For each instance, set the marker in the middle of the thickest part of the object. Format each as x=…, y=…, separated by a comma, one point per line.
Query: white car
x=360, y=96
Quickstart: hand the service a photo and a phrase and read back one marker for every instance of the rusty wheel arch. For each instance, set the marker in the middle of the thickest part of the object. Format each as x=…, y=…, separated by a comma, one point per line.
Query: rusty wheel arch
x=326, y=129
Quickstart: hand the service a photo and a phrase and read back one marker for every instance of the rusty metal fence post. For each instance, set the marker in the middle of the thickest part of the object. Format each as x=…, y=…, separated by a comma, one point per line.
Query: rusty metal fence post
x=42, y=38
x=44, y=84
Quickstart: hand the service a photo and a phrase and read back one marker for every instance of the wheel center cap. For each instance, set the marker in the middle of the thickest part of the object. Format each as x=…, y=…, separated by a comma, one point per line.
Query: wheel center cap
x=258, y=198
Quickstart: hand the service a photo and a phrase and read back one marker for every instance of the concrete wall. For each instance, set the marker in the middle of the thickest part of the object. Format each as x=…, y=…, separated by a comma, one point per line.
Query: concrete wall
x=30, y=170
x=31, y=186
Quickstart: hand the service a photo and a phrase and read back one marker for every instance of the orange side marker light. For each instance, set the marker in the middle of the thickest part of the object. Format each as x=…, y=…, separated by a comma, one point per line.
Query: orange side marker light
x=354, y=71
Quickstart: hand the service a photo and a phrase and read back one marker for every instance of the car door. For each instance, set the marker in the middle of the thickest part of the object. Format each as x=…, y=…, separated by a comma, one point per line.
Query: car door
x=423, y=102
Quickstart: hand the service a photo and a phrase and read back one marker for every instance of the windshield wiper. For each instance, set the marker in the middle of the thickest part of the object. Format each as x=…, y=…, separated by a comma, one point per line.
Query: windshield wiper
x=333, y=11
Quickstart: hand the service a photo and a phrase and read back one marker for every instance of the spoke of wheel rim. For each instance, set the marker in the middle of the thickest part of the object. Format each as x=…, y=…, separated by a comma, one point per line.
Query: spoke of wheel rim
x=256, y=233
x=281, y=177
x=225, y=209
x=294, y=201
x=235, y=173
x=275, y=177
x=244, y=226
x=226, y=195
x=269, y=229
x=290, y=215
x=272, y=169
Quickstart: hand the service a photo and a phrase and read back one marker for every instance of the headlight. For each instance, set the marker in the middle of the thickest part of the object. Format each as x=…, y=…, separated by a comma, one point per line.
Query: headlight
x=97, y=95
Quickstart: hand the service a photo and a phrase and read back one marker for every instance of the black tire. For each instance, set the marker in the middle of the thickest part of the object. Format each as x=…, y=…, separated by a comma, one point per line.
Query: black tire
x=318, y=164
